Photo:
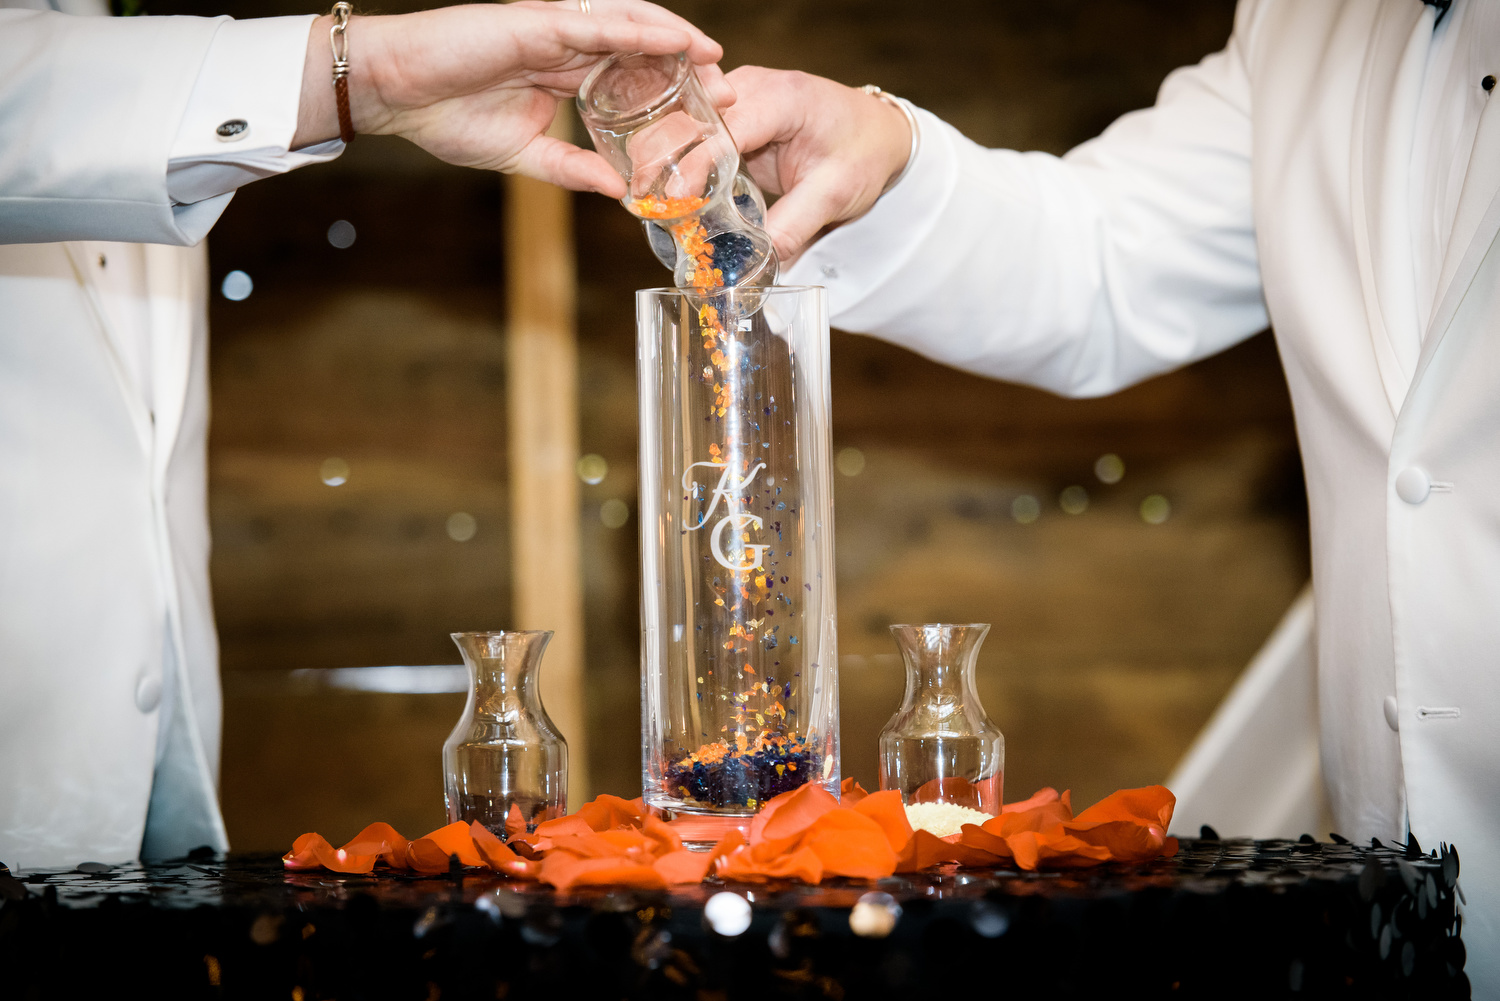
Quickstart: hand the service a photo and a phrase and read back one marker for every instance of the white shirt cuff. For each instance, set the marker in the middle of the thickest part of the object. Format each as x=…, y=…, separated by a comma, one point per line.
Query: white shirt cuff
x=252, y=74
x=858, y=257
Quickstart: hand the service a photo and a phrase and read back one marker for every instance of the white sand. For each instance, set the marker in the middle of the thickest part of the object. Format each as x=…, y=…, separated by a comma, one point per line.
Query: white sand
x=942, y=819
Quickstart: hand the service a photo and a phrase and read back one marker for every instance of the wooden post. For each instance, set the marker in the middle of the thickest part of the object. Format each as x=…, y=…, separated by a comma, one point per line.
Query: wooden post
x=542, y=395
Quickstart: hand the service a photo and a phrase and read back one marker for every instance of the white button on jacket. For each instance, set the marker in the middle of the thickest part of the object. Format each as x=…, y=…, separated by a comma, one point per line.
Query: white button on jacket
x=148, y=693
x=1273, y=181
x=1413, y=485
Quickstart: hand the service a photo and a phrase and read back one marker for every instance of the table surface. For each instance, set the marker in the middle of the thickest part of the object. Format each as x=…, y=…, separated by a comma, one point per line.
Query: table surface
x=1223, y=918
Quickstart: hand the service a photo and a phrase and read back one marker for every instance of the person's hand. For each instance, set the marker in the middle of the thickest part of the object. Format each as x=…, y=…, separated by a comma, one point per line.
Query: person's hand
x=828, y=150
x=478, y=85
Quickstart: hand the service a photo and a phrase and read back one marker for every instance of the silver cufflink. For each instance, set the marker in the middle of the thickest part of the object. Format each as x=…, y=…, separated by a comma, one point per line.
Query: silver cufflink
x=233, y=130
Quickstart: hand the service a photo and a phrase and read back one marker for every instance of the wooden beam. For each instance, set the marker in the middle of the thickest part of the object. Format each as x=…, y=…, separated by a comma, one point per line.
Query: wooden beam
x=542, y=404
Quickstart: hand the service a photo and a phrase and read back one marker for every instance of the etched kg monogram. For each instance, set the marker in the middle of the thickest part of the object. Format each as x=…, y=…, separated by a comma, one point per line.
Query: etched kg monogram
x=728, y=490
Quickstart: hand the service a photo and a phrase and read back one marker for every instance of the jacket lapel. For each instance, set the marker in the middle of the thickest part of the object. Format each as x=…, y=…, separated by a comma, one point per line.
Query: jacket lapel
x=140, y=417
x=1474, y=230
x=1385, y=116
x=171, y=307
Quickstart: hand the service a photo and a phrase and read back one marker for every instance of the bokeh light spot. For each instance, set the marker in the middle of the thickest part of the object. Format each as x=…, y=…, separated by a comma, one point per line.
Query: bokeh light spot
x=874, y=915
x=592, y=469
x=462, y=526
x=1073, y=500
x=614, y=513
x=727, y=913
x=850, y=461
x=341, y=234
x=1025, y=509
x=334, y=472
x=237, y=286
x=1110, y=468
x=1155, y=509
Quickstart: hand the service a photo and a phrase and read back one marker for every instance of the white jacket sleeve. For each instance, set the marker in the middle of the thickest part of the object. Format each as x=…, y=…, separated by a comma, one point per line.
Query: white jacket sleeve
x=108, y=125
x=1132, y=255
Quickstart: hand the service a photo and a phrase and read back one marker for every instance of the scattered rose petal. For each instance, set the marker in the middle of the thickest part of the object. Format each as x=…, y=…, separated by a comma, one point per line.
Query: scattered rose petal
x=805, y=834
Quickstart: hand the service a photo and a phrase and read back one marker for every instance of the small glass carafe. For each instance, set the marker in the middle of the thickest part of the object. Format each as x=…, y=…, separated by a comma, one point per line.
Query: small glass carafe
x=704, y=216
x=941, y=747
x=505, y=764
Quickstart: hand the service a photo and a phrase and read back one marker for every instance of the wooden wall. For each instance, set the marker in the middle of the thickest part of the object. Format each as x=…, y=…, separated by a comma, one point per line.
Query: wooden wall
x=1113, y=638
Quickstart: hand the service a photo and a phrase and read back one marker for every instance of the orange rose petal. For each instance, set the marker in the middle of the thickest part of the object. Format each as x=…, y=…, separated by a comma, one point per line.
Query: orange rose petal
x=374, y=839
x=566, y=871
x=1148, y=805
x=1126, y=840
x=758, y=823
x=608, y=812
x=978, y=838
x=381, y=840
x=662, y=834
x=515, y=824
x=569, y=826
x=805, y=834
x=886, y=809
x=954, y=789
x=1040, y=798
x=851, y=844
x=488, y=846
x=431, y=854
x=604, y=844
x=794, y=813
x=1042, y=818
x=524, y=848
x=802, y=864
x=1025, y=849
x=926, y=849
x=456, y=839
x=1062, y=851
x=851, y=792
x=960, y=851
x=425, y=857
x=728, y=844
x=311, y=851
x=499, y=857
x=682, y=866
x=303, y=854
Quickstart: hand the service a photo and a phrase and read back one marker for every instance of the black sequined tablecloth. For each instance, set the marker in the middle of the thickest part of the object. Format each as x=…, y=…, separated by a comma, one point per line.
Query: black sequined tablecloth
x=1221, y=919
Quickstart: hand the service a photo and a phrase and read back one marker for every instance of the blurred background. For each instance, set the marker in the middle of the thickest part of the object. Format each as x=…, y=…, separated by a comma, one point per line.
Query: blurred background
x=1132, y=553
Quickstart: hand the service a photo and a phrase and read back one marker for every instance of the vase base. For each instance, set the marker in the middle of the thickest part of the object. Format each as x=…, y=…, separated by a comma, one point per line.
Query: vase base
x=701, y=831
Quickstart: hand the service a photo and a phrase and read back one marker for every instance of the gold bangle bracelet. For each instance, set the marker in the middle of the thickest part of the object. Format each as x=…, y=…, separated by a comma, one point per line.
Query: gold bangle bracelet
x=905, y=108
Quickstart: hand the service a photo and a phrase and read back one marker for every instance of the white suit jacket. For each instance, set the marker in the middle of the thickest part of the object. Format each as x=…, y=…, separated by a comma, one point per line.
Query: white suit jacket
x=104, y=543
x=1270, y=180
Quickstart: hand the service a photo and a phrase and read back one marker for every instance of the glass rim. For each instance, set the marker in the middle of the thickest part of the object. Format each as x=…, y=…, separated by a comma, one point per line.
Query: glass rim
x=671, y=290
x=939, y=625
x=590, y=115
x=489, y=633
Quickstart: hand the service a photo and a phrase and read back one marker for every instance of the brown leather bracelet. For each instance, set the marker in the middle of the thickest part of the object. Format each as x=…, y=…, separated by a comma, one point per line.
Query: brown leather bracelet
x=338, y=38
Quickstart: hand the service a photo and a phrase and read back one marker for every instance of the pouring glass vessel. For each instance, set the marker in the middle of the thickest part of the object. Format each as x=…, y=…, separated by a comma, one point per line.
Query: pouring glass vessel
x=703, y=215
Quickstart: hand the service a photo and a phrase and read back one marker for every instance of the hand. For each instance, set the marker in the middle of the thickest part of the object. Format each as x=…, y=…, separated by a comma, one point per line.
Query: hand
x=828, y=150
x=478, y=85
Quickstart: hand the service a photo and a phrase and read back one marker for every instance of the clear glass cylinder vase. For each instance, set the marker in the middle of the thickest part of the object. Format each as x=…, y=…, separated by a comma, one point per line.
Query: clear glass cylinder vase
x=505, y=764
x=941, y=746
x=739, y=680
